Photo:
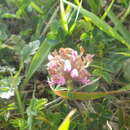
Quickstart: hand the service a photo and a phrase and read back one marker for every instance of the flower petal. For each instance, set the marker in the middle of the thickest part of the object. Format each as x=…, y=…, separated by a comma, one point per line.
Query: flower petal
x=67, y=66
x=50, y=57
x=74, y=73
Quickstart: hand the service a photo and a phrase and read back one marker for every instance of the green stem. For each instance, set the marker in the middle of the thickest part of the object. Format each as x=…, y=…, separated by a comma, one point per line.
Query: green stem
x=18, y=97
x=19, y=101
x=70, y=87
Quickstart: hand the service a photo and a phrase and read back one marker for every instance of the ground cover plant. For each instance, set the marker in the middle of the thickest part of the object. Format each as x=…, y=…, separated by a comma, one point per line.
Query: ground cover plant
x=64, y=64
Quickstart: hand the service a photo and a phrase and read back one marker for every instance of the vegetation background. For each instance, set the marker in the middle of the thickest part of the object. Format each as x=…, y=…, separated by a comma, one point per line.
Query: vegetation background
x=30, y=30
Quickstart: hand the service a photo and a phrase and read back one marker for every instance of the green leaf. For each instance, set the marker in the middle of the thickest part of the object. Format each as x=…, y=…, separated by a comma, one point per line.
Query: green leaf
x=63, y=16
x=36, y=7
x=93, y=4
x=126, y=88
x=22, y=8
x=38, y=58
x=124, y=53
x=19, y=123
x=89, y=95
x=84, y=95
x=108, y=9
x=119, y=26
x=91, y=88
x=29, y=50
x=3, y=30
x=8, y=15
x=8, y=85
x=35, y=106
x=66, y=123
x=126, y=69
x=107, y=77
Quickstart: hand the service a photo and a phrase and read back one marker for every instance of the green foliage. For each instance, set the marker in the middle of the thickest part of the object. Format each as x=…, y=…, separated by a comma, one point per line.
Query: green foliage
x=29, y=50
x=30, y=30
x=34, y=110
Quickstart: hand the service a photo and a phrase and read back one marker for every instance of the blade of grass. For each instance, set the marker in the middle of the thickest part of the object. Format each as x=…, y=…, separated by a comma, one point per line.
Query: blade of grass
x=124, y=53
x=66, y=123
x=63, y=16
x=108, y=9
x=101, y=24
x=89, y=95
x=21, y=10
x=93, y=4
x=50, y=21
x=38, y=58
x=36, y=7
x=126, y=13
x=43, y=20
x=119, y=26
x=74, y=24
x=9, y=15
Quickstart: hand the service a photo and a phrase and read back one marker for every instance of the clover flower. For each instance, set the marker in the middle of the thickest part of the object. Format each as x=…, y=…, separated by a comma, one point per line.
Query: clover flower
x=66, y=65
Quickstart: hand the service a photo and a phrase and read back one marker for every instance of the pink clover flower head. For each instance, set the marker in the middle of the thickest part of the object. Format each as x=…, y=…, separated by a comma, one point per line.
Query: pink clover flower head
x=74, y=73
x=67, y=66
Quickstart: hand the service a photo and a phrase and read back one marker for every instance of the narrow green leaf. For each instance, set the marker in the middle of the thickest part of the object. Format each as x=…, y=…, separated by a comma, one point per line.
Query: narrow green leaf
x=8, y=15
x=22, y=8
x=63, y=16
x=108, y=9
x=29, y=50
x=36, y=7
x=124, y=53
x=38, y=58
x=89, y=95
x=101, y=24
x=84, y=95
x=66, y=123
x=93, y=4
x=119, y=26
x=126, y=88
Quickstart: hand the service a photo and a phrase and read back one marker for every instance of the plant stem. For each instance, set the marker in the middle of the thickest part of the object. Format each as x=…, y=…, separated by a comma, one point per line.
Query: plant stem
x=18, y=98
x=70, y=85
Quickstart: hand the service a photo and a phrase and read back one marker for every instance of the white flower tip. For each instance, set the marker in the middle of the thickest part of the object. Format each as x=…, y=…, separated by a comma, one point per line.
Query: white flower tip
x=67, y=66
x=50, y=57
x=74, y=73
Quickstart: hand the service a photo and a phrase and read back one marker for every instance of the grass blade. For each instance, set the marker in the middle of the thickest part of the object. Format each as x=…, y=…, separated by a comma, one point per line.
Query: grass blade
x=66, y=123
x=63, y=16
x=93, y=4
x=89, y=95
x=36, y=7
x=108, y=9
x=119, y=26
